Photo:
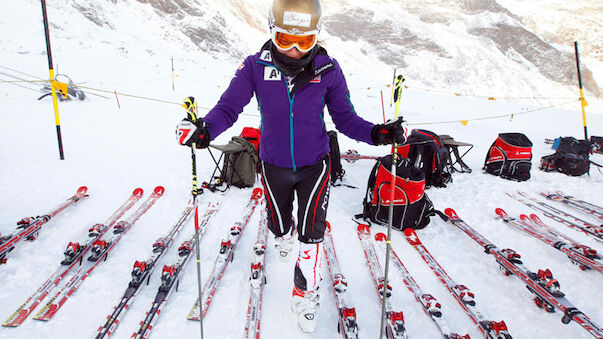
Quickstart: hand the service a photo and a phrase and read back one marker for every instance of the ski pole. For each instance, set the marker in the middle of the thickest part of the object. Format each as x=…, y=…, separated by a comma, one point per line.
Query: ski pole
x=191, y=109
x=583, y=102
x=397, y=91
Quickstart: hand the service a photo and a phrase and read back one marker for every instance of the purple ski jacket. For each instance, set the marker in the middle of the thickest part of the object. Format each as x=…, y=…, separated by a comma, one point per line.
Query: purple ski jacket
x=293, y=128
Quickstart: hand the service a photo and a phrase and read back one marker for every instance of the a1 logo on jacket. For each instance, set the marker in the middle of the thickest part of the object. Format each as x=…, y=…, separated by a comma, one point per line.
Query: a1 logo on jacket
x=271, y=74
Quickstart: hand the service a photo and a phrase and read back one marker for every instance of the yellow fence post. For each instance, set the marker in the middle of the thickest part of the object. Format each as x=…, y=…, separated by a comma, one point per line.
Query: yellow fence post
x=52, y=81
x=583, y=102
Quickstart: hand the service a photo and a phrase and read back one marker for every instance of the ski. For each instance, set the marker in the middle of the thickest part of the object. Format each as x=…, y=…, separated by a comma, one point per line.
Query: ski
x=73, y=256
x=100, y=249
x=395, y=320
x=579, y=221
x=225, y=255
x=462, y=294
x=28, y=228
x=558, y=216
x=580, y=205
x=171, y=275
x=348, y=322
x=257, y=280
x=429, y=303
x=583, y=256
x=142, y=270
x=541, y=284
x=353, y=156
x=536, y=220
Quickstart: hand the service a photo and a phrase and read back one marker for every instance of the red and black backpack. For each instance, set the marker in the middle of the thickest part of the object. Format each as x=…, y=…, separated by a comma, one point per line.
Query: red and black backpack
x=425, y=150
x=412, y=207
x=510, y=157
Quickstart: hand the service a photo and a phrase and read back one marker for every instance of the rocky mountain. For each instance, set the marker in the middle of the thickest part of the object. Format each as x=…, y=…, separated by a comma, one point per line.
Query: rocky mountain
x=477, y=47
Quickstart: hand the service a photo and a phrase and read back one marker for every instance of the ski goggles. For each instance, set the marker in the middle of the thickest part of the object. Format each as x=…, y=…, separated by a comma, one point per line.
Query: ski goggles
x=286, y=41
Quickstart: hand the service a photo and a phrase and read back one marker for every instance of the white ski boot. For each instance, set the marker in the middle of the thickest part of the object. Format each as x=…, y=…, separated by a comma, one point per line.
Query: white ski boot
x=305, y=304
x=284, y=245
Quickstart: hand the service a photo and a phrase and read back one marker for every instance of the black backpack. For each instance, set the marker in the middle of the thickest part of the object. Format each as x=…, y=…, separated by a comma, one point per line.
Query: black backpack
x=571, y=157
x=510, y=157
x=337, y=171
x=596, y=144
x=425, y=150
x=412, y=207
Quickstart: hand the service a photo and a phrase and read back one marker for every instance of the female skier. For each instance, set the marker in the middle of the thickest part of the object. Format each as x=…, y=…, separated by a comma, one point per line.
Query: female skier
x=293, y=79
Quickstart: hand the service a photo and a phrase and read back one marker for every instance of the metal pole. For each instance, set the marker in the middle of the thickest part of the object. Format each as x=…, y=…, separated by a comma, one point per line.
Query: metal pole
x=52, y=88
x=397, y=91
x=583, y=102
x=191, y=108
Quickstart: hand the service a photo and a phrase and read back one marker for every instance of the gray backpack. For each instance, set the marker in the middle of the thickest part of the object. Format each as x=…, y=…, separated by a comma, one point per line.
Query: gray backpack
x=240, y=163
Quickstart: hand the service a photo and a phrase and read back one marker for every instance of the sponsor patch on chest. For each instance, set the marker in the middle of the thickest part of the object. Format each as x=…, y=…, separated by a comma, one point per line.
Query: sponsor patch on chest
x=271, y=74
x=266, y=56
x=316, y=80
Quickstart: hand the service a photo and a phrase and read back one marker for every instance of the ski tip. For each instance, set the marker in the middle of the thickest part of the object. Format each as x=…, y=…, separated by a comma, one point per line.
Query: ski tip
x=257, y=193
x=380, y=236
x=82, y=190
x=451, y=213
x=364, y=229
x=535, y=217
x=524, y=218
x=501, y=213
x=159, y=190
x=328, y=226
x=412, y=237
x=18, y=320
x=138, y=192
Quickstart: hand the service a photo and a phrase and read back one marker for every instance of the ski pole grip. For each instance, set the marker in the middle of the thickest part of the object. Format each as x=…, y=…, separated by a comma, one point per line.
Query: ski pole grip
x=191, y=108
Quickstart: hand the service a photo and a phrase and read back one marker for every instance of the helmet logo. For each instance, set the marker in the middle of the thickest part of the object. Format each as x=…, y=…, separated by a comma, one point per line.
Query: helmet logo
x=297, y=19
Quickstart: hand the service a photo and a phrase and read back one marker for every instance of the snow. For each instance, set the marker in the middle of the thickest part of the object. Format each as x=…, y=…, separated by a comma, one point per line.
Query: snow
x=113, y=150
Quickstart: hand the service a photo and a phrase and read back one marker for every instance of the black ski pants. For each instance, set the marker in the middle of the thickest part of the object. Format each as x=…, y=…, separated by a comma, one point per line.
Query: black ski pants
x=311, y=183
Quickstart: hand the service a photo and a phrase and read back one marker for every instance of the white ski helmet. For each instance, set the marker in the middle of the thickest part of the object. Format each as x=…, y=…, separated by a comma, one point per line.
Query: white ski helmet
x=295, y=22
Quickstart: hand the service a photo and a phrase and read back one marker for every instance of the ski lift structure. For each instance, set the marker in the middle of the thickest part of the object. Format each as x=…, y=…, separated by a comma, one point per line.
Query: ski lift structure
x=66, y=89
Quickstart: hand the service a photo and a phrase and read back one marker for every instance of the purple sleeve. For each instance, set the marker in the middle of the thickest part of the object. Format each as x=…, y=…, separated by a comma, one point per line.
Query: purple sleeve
x=342, y=111
x=238, y=94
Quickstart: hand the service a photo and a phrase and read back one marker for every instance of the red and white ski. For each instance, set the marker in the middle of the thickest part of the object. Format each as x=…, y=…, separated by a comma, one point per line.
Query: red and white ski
x=73, y=256
x=584, y=256
x=143, y=270
x=171, y=275
x=462, y=294
x=542, y=284
x=429, y=303
x=257, y=280
x=577, y=204
x=100, y=249
x=348, y=325
x=28, y=228
x=561, y=216
x=225, y=256
x=395, y=320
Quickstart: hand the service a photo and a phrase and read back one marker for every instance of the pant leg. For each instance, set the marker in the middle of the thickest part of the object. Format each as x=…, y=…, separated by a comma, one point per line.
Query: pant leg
x=312, y=189
x=278, y=191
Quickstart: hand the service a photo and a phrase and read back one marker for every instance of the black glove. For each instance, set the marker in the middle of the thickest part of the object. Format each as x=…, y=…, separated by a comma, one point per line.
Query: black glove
x=188, y=132
x=384, y=134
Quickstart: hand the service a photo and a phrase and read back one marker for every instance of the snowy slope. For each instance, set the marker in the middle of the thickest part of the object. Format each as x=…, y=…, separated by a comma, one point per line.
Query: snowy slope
x=113, y=150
